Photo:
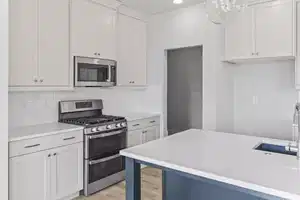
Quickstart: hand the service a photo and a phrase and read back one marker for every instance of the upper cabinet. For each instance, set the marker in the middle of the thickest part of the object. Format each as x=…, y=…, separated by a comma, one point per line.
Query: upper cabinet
x=93, y=30
x=238, y=35
x=39, y=44
x=251, y=33
x=132, y=55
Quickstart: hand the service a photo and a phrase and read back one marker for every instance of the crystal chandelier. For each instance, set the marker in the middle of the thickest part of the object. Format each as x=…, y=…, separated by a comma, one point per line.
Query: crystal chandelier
x=217, y=10
x=229, y=5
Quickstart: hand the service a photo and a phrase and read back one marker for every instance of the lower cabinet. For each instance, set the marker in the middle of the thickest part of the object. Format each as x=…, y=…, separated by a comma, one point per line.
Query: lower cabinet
x=150, y=134
x=143, y=131
x=54, y=174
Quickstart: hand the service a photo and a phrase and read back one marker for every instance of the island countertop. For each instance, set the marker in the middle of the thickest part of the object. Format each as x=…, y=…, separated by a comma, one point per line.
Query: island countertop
x=224, y=157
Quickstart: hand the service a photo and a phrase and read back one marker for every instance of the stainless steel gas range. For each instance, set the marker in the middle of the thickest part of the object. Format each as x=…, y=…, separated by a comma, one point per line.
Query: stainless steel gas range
x=104, y=137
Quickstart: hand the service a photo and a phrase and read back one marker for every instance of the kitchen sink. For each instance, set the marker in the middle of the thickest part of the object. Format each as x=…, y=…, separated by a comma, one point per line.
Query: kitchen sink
x=273, y=148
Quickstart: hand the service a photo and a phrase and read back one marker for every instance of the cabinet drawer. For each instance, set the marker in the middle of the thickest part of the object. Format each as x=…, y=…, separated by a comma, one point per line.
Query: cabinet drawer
x=143, y=123
x=23, y=147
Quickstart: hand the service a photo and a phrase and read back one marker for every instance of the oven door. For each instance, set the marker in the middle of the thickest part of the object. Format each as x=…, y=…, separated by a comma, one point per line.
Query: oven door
x=106, y=144
x=102, y=168
x=91, y=72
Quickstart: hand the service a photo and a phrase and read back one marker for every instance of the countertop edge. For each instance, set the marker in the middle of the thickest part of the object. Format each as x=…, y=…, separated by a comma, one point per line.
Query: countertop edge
x=255, y=187
x=27, y=137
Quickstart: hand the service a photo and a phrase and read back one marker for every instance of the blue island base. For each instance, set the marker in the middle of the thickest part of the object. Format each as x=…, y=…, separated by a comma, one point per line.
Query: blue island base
x=183, y=186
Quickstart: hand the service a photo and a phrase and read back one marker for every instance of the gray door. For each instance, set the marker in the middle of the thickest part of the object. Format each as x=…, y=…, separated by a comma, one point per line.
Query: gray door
x=184, y=89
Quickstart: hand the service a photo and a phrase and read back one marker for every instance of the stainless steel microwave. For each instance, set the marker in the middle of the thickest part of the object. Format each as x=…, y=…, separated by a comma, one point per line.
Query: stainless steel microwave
x=94, y=72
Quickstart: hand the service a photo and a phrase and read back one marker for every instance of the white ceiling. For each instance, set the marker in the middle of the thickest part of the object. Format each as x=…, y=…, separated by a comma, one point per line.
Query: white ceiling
x=157, y=6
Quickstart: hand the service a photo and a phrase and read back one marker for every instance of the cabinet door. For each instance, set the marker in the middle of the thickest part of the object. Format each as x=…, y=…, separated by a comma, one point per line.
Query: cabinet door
x=54, y=57
x=150, y=134
x=134, y=138
x=239, y=41
x=132, y=59
x=274, y=29
x=67, y=170
x=23, y=42
x=93, y=30
x=28, y=177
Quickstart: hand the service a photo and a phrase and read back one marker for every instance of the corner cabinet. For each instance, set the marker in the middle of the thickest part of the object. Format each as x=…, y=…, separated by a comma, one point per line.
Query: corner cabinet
x=250, y=34
x=132, y=55
x=39, y=44
x=93, y=30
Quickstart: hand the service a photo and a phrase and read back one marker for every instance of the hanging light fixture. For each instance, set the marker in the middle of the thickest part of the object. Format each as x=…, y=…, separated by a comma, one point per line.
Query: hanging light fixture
x=217, y=9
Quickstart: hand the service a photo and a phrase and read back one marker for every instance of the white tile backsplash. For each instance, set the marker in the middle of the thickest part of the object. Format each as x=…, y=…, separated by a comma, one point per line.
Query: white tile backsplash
x=29, y=108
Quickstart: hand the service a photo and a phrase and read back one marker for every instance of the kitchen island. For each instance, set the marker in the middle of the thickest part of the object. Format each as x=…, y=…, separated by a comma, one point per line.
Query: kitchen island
x=209, y=165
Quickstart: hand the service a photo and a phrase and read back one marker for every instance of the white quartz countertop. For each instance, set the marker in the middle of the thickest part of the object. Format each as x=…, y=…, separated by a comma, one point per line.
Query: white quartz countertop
x=29, y=132
x=224, y=157
x=138, y=116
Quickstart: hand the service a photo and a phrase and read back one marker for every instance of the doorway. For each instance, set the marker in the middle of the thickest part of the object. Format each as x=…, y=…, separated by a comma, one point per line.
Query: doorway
x=184, y=89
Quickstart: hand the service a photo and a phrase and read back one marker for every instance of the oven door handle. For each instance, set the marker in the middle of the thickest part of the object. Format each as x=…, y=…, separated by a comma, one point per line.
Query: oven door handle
x=106, y=135
x=104, y=159
x=109, y=74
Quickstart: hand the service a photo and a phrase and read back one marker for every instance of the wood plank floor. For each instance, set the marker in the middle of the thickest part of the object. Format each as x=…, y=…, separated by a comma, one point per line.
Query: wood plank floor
x=151, y=188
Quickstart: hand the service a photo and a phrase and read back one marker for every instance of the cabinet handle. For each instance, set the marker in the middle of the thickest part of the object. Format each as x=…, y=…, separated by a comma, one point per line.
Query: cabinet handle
x=98, y=54
x=70, y=138
x=31, y=146
x=35, y=80
x=95, y=54
x=257, y=53
x=136, y=125
x=152, y=121
x=54, y=154
x=41, y=80
x=145, y=131
x=49, y=155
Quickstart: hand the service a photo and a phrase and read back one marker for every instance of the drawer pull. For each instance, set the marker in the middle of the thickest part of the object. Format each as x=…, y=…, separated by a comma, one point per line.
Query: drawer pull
x=152, y=121
x=70, y=138
x=145, y=131
x=31, y=146
x=136, y=125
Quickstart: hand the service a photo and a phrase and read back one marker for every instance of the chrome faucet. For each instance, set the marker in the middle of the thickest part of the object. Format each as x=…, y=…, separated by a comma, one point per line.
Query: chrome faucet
x=296, y=121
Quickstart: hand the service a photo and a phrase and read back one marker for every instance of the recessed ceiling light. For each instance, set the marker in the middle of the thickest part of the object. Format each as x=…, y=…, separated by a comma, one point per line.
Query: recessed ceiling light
x=177, y=1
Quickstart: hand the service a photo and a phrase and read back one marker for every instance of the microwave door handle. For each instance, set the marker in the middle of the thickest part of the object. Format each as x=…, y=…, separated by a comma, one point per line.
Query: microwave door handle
x=109, y=74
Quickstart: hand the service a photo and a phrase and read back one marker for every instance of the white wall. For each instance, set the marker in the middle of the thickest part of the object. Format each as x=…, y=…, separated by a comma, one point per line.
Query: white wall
x=3, y=99
x=190, y=27
x=29, y=108
x=273, y=84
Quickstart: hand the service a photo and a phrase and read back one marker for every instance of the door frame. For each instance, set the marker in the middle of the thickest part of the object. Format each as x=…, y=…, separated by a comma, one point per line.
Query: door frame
x=164, y=127
x=4, y=37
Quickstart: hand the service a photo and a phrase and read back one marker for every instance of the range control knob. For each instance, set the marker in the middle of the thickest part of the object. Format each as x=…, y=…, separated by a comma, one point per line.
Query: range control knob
x=118, y=125
x=123, y=124
x=94, y=130
x=99, y=128
x=109, y=127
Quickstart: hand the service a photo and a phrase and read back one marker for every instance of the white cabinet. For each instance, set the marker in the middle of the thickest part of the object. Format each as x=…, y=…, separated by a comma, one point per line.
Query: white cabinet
x=150, y=134
x=132, y=55
x=93, y=30
x=238, y=35
x=262, y=31
x=52, y=174
x=39, y=44
x=134, y=138
x=274, y=31
x=28, y=177
x=143, y=131
x=67, y=170
x=54, y=47
x=23, y=34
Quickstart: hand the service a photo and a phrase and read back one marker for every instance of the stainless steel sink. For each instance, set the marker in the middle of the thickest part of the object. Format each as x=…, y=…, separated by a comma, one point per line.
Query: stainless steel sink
x=274, y=148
